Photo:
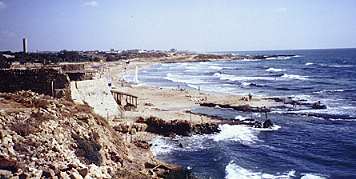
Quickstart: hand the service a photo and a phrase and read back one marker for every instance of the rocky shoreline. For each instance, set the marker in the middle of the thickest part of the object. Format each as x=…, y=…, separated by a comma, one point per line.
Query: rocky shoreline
x=46, y=137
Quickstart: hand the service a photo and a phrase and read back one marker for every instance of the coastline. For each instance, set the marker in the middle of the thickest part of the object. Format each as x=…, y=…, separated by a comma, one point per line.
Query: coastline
x=172, y=104
x=166, y=127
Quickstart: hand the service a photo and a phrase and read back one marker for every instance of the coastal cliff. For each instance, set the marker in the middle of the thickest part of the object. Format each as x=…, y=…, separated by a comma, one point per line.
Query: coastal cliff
x=46, y=137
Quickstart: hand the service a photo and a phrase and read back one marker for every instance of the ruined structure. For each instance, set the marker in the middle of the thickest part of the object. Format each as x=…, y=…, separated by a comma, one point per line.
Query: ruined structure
x=75, y=71
x=45, y=81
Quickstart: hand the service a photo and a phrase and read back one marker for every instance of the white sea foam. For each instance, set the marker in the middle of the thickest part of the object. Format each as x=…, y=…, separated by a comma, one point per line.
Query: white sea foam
x=184, y=79
x=221, y=88
x=280, y=58
x=234, y=171
x=240, y=117
x=294, y=77
x=340, y=66
x=241, y=78
x=273, y=128
x=161, y=146
x=309, y=63
x=302, y=97
x=165, y=145
x=254, y=78
x=328, y=91
x=240, y=133
x=275, y=70
x=215, y=67
x=246, y=84
x=312, y=176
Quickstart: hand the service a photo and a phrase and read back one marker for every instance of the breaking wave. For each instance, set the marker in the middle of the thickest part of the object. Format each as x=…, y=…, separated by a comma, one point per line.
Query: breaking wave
x=234, y=171
x=241, y=78
x=215, y=67
x=161, y=146
x=329, y=91
x=280, y=58
x=182, y=79
x=309, y=63
x=294, y=77
x=275, y=70
x=312, y=176
x=240, y=133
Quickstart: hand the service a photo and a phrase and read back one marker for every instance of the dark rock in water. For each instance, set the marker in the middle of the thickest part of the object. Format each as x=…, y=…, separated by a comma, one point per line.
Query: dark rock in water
x=257, y=124
x=267, y=124
x=244, y=108
x=181, y=174
x=318, y=105
x=177, y=127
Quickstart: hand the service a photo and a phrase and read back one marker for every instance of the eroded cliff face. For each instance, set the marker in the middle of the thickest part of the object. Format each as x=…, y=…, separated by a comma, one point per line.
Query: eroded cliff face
x=45, y=137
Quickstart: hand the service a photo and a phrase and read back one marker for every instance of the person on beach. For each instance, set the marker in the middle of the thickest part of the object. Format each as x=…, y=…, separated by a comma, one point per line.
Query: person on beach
x=249, y=96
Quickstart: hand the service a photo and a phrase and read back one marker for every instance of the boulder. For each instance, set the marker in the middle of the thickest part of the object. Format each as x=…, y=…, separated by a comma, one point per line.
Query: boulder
x=267, y=124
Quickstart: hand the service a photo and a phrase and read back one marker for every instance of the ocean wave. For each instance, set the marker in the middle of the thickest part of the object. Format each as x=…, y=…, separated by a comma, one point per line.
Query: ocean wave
x=161, y=146
x=313, y=176
x=240, y=133
x=294, y=77
x=165, y=145
x=215, y=67
x=336, y=65
x=246, y=84
x=202, y=67
x=273, y=128
x=301, y=97
x=329, y=91
x=309, y=63
x=225, y=88
x=234, y=171
x=250, y=60
x=182, y=79
x=241, y=78
x=275, y=70
x=345, y=113
x=240, y=117
x=280, y=58
x=255, y=78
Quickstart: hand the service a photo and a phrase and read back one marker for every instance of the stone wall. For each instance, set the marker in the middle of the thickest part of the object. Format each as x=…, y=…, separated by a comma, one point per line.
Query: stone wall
x=45, y=81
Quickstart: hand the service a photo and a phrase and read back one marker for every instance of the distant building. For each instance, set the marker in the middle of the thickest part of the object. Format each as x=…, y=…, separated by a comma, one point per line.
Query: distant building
x=24, y=45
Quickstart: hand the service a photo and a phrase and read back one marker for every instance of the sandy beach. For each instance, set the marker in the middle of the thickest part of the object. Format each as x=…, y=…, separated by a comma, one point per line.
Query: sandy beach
x=172, y=104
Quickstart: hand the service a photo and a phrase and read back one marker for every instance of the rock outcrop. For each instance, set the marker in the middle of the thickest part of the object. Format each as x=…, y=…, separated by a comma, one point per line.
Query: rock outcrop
x=45, y=137
x=177, y=127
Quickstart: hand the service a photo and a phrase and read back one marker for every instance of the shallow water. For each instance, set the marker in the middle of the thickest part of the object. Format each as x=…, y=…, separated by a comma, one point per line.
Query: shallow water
x=300, y=146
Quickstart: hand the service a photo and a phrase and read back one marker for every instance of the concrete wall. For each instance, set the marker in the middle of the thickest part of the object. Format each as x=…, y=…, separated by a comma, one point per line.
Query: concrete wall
x=36, y=80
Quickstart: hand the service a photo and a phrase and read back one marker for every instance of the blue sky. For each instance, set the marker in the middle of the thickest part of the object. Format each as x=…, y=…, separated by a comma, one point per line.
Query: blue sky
x=200, y=25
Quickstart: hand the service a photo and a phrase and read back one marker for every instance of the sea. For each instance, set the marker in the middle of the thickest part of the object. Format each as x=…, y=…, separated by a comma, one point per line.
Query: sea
x=304, y=143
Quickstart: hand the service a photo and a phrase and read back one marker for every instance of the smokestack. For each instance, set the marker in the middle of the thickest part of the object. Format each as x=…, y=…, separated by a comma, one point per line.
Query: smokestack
x=24, y=45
